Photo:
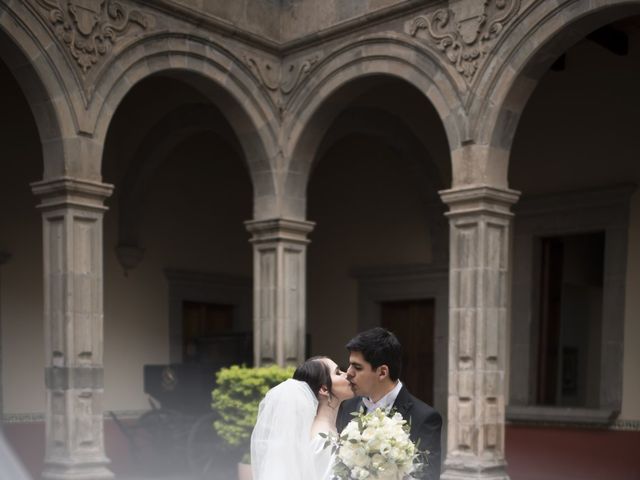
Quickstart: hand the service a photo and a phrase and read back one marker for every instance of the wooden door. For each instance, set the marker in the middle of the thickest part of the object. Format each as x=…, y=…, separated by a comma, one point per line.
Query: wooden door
x=202, y=321
x=412, y=321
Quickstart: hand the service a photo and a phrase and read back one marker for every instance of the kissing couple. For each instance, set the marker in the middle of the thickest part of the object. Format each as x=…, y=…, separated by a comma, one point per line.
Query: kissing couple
x=295, y=416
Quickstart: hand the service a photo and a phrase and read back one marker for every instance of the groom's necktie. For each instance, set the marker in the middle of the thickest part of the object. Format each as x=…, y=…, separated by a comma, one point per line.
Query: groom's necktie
x=368, y=404
x=385, y=402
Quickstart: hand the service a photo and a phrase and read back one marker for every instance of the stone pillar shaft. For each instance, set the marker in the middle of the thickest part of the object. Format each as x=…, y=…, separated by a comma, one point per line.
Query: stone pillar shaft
x=480, y=222
x=72, y=212
x=4, y=257
x=279, y=279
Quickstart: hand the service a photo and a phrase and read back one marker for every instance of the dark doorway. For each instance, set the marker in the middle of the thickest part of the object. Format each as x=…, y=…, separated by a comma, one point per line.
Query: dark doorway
x=201, y=322
x=571, y=291
x=413, y=322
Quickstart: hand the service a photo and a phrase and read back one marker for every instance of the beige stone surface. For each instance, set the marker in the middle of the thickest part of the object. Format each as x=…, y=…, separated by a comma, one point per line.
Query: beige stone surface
x=279, y=84
x=630, y=382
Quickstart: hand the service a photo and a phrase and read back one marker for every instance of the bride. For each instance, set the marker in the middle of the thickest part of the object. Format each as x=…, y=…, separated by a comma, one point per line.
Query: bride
x=285, y=444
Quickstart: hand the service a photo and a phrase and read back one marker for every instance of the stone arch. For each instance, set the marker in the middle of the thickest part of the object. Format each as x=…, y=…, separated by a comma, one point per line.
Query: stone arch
x=392, y=131
x=534, y=42
x=395, y=134
x=217, y=74
x=173, y=129
x=337, y=80
x=30, y=53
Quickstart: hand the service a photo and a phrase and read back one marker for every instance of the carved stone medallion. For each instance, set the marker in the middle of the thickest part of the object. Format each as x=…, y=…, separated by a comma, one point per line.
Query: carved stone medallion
x=90, y=28
x=466, y=32
x=281, y=79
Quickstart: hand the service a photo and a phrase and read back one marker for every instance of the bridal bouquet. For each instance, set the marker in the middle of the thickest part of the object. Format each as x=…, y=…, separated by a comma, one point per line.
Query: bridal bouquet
x=375, y=445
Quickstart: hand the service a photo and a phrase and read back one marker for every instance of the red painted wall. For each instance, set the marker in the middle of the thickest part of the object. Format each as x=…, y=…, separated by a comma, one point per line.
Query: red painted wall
x=544, y=453
x=27, y=441
x=533, y=453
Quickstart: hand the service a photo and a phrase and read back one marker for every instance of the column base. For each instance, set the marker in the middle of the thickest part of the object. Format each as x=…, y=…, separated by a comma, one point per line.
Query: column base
x=77, y=472
x=470, y=474
x=466, y=470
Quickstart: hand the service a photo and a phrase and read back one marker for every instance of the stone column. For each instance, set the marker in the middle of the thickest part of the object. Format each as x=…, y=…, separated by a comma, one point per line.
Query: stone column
x=4, y=258
x=72, y=212
x=279, y=295
x=480, y=222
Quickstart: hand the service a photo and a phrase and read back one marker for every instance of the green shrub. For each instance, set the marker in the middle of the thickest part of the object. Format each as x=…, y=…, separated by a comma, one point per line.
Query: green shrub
x=236, y=398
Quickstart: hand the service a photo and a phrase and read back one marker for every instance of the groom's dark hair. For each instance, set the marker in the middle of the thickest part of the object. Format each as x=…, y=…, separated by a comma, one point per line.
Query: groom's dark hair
x=379, y=346
x=315, y=373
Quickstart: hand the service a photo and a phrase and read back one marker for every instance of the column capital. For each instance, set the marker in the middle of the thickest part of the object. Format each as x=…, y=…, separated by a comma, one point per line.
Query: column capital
x=69, y=191
x=278, y=229
x=477, y=199
x=279, y=288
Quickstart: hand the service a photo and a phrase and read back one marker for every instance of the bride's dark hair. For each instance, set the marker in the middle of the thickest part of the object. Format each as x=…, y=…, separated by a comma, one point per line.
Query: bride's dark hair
x=315, y=373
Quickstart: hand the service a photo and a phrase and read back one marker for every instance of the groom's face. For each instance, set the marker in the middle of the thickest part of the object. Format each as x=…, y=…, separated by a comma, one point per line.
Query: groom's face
x=363, y=378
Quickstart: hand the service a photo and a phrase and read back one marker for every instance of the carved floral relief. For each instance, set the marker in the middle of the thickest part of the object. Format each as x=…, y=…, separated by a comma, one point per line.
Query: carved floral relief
x=279, y=79
x=90, y=28
x=294, y=73
x=466, y=31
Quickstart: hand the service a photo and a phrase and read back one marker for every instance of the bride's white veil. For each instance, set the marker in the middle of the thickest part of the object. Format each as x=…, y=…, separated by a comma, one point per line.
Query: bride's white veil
x=280, y=443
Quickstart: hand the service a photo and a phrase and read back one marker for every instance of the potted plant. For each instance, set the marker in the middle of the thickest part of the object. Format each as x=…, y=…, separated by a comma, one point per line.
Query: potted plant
x=236, y=398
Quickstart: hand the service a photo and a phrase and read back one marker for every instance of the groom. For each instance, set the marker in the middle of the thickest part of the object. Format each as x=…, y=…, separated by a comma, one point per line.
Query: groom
x=375, y=361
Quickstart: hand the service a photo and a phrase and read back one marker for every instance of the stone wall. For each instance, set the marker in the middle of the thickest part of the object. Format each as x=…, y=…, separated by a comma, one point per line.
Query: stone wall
x=280, y=78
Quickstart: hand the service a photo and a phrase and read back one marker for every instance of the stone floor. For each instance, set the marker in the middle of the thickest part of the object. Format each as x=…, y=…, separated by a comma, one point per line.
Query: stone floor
x=229, y=475
x=172, y=477
x=222, y=471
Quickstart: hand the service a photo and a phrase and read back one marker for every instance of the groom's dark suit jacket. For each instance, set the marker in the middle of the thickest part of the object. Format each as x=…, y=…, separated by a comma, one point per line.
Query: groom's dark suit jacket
x=426, y=425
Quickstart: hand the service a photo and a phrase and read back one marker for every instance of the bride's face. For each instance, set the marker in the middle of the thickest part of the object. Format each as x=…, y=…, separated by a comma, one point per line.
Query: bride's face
x=341, y=388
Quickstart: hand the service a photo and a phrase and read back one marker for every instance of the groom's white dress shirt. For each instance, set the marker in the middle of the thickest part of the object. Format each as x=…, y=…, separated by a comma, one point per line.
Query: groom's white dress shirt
x=385, y=402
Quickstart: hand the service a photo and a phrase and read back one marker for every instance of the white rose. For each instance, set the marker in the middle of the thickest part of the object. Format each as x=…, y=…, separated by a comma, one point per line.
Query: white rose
x=375, y=443
x=361, y=459
x=360, y=473
x=388, y=472
x=395, y=454
x=377, y=461
x=375, y=422
x=348, y=454
x=351, y=427
x=384, y=448
x=368, y=433
x=351, y=432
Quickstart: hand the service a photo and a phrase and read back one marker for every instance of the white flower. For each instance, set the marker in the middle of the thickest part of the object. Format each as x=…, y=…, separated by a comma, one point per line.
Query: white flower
x=389, y=471
x=377, y=443
x=361, y=458
x=360, y=473
x=385, y=447
x=351, y=431
x=348, y=454
x=377, y=461
x=375, y=446
x=368, y=434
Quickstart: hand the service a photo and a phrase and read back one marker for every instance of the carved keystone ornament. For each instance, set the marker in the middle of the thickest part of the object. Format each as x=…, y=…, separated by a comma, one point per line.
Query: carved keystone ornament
x=281, y=80
x=467, y=31
x=89, y=28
